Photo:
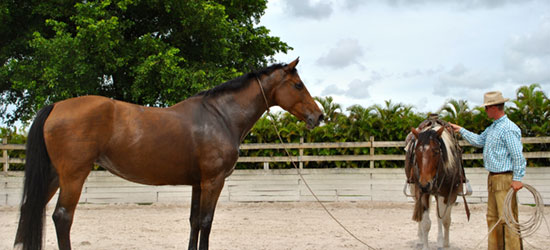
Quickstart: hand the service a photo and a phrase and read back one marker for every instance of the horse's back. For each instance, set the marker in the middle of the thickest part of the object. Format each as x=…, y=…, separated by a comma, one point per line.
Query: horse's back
x=142, y=144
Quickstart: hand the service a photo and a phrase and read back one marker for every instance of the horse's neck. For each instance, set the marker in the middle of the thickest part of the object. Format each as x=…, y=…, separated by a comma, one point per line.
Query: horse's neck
x=242, y=109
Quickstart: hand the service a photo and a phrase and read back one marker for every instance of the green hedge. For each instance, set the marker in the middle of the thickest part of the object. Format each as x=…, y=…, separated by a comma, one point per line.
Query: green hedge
x=530, y=110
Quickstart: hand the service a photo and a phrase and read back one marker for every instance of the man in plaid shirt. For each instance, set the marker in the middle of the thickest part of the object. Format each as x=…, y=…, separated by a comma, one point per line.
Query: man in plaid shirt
x=503, y=158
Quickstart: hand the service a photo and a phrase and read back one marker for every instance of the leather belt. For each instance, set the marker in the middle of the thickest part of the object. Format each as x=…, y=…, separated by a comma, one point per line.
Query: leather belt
x=507, y=172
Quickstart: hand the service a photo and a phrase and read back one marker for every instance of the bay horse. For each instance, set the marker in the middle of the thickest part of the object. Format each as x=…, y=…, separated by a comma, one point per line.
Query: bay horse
x=434, y=165
x=194, y=142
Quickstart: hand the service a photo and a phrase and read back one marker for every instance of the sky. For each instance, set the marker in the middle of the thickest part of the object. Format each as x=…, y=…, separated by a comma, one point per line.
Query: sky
x=415, y=52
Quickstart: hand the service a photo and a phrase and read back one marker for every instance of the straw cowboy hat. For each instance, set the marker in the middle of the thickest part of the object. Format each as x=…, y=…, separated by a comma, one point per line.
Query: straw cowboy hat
x=493, y=98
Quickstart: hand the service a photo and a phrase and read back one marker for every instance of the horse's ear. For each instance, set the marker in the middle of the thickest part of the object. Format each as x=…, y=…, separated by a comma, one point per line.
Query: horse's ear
x=291, y=66
x=440, y=131
x=415, y=132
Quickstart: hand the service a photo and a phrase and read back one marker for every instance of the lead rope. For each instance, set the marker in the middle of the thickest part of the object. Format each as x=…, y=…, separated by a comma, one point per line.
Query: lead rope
x=300, y=173
x=524, y=229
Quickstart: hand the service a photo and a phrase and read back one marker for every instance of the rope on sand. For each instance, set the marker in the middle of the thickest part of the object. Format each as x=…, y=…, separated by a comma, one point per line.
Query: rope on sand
x=300, y=173
x=314, y=195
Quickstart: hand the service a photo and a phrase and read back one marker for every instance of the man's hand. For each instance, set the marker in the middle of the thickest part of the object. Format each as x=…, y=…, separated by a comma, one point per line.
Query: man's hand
x=456, y=128
x=516, y=185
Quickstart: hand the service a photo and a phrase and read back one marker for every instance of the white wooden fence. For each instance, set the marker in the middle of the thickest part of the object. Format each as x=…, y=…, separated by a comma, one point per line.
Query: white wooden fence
x=330, y=184
x=371, y=157
x=276, y=185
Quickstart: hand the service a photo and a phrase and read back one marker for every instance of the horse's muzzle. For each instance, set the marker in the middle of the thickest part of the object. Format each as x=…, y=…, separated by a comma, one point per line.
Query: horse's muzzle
x=425, y=188
x=313, y=121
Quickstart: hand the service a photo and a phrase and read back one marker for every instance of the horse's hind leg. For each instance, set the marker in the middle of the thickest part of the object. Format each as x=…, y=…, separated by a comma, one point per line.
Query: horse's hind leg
x=54, y=185
x=52, y=188
x=70, y=185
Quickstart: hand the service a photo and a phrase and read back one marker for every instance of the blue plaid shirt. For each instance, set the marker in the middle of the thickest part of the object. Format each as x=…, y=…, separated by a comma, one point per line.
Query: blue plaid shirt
x=502, y=148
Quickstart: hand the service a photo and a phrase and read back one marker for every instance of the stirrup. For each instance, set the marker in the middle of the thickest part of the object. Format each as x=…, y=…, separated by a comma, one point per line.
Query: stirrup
x=411, y=189
x=469, y=190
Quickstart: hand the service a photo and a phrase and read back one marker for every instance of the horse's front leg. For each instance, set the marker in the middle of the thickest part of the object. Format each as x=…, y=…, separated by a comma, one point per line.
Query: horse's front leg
x=194, y=218
x=424, y=229
x=422, y=207
x=444, y=223
x=210, y=192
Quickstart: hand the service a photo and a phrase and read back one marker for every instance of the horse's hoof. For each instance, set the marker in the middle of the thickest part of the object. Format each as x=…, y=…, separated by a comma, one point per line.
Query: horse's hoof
x=422, y=246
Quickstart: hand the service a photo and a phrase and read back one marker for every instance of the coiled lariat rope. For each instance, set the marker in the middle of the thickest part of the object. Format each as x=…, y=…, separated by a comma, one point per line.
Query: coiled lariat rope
x=522, y=229
x=529, y=227
x=302, y=177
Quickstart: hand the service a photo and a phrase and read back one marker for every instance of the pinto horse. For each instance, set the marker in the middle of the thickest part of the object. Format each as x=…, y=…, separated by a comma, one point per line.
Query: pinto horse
x=434, y=165
x=195, y=142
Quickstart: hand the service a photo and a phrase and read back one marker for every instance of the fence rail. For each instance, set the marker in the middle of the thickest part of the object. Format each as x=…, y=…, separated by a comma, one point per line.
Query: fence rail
x=301, y=157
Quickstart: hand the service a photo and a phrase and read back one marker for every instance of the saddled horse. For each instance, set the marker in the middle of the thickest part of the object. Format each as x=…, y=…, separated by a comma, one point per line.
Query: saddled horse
x=434, y=166
x=195, y=142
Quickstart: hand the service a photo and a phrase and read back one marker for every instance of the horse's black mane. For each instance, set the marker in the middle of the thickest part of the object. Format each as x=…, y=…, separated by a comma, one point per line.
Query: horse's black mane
x=240, y=82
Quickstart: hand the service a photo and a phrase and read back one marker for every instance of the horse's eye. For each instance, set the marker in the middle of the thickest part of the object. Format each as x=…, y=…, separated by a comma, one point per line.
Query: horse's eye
x=299, y=86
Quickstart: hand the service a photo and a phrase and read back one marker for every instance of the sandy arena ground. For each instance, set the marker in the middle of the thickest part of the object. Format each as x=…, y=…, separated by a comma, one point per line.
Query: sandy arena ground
x=290, y=225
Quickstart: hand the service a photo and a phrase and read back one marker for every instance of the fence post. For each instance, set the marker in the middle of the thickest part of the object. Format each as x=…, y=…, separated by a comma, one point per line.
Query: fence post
x=371, y=139
x=5, y=156
x=301, y=150
x=266, y=165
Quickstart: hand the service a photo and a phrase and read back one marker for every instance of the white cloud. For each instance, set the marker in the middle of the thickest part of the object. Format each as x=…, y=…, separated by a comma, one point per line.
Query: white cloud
x=421, y=104
x=332, y=89
x=307, y=9
x=527, y=57
x=422, y=72
x=347, y=52
x=353, y=4
x=356, y=89
x=461, y=4
x=459, y=77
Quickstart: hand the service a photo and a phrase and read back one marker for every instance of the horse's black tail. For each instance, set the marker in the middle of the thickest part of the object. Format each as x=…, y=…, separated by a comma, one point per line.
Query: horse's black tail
x=38, y=175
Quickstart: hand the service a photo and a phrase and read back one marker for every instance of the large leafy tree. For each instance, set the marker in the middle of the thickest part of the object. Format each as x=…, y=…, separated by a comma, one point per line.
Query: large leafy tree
x=149, y=52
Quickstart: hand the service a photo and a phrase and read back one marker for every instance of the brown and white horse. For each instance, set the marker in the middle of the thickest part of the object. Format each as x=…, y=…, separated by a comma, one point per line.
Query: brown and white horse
x=434, y=165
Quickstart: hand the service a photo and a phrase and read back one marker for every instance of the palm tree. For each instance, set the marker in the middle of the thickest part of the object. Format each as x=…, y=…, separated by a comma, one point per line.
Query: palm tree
x=390, y=110
x=455, y=110
x=393, y=121
x=532, y=110
x=331, y=110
